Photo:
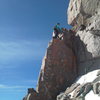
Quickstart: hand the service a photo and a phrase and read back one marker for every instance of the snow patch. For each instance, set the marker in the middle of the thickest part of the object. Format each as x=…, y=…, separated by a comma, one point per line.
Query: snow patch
x=89, y=77
x=92, y=96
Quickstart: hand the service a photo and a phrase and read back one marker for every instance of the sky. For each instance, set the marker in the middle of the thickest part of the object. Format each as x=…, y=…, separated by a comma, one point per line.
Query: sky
x=25, y=31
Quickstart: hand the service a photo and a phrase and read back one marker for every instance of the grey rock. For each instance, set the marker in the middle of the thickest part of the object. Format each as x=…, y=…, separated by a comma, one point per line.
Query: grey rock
x=80, y=98
x=72, y=88
x=88, y=87
x=78, y=91
x=96, y=88
x=98, y=74
x=80, y=10
x=60, y=96
x=96, y=80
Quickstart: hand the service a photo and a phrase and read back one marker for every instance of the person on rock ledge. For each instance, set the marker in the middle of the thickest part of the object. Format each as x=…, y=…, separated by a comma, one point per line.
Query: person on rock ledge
x=56, y=31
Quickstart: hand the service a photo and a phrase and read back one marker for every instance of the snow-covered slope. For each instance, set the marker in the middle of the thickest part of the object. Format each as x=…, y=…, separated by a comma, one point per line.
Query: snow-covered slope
x=89, y=77
x=92, y=96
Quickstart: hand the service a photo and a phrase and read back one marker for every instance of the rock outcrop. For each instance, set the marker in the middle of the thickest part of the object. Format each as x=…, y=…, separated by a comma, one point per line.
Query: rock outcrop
x=59, y=69
x=86, y=13
x=80, y=11
x=66, y=59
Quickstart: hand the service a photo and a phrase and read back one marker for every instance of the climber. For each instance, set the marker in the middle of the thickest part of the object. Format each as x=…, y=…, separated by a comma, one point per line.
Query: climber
x=56, y=31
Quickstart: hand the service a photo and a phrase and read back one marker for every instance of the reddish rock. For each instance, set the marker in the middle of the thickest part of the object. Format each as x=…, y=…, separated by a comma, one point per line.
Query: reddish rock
x=58, y=69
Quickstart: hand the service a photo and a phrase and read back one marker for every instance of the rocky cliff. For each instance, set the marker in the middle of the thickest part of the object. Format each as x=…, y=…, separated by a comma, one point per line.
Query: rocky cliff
x=59, y=69
x=78, y=53
x=86, y=13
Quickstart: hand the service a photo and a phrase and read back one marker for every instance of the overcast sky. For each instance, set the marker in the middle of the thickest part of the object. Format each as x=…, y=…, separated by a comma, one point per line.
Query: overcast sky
x=25, y=30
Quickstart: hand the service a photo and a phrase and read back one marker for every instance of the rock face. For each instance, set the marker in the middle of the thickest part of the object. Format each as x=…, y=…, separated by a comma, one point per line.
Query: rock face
x=76, y=54
x=80, y=11
x=58, y=69
x=87, y=42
